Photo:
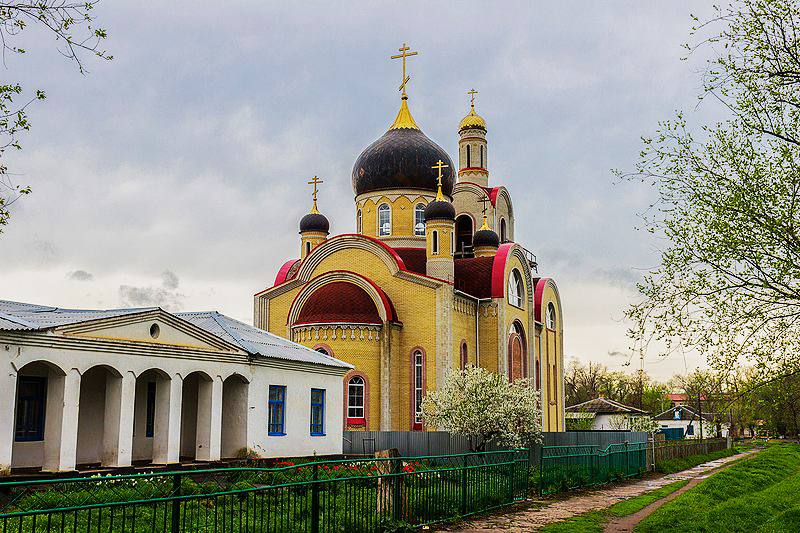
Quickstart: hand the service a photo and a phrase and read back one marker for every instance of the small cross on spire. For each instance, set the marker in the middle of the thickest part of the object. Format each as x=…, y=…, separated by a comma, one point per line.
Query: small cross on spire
x=440, y=165
x=314, y=182
x=403, y=55
x=472, y=93
x=483, y=200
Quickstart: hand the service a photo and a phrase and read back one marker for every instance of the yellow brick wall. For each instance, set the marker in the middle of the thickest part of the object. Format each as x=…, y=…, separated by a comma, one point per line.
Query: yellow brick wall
x=551, y=355
x=463, y=330
x=402, y=213
x=488, y=334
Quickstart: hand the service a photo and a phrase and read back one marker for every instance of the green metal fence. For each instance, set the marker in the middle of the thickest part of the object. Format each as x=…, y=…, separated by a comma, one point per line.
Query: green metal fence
x=367, y=495
x=568, y=467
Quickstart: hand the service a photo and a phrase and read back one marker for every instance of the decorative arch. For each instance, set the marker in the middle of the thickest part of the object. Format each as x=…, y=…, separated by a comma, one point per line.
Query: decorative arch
x=110, y=369
x=463, y=353
x=499, y=277
x=345, y=399
x=381, y=250
x=55, y=367
x=226, y=376
x=381, y=300
x=418, y=384
x=322, y=346
x=541, y=285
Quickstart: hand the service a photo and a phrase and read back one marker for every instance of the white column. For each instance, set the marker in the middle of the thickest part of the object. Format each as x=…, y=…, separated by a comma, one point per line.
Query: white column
x=202, y=443
x=124, y=435
x=111, y=411
x=216, y=420
x=161, y=421
x=8, y=393
x=61, y=430
x=174, y=420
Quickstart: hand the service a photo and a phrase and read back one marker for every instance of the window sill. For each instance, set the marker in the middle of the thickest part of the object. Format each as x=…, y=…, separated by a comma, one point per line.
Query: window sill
x=355, y=421
x=28, y=439
x=276, y=434
x=318, y=434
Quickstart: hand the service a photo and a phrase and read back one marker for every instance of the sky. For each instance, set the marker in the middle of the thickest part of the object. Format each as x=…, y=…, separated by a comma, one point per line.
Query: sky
x=175, y=174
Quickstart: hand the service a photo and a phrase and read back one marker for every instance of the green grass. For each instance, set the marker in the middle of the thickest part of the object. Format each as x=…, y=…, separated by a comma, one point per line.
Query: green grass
x=761, y=494
x=594, y=521
x=671, y=466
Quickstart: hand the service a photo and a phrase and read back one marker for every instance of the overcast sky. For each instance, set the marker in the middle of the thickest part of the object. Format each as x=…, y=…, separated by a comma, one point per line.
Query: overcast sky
x=175, y=174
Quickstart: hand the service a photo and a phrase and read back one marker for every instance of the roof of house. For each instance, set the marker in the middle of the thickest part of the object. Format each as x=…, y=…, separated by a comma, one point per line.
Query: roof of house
x=687, y=413
x=256, y=341
x=17, y=316
x=684, y=397
x=604, y=406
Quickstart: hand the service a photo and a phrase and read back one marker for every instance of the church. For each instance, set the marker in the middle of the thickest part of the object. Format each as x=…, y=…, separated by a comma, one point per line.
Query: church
x=431, y=280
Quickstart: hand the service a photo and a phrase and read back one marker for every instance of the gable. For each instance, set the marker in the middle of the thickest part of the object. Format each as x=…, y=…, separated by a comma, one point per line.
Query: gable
x=153, y=327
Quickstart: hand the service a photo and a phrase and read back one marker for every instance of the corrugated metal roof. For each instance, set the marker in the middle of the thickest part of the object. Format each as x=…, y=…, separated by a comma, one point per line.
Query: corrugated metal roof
x=31, y=317
x=257, y=341
x=603, y=405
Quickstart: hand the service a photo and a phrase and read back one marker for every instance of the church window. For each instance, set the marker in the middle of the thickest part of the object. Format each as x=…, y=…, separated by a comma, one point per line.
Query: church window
x=550, y=319
x=150, y=416
x=481, y=156
x=419, y=220
x=308, y=247
x=453, y=242
x=516, y=291
x=435, y=242
x=30, y=408
x=503, y=235
x=322, y=350
x=419, y=361
x=384, y=220
x=468, y=155
x=464, y=356
x=359, y=225
x=355, y=397
x=317, y=412
x=277, y=409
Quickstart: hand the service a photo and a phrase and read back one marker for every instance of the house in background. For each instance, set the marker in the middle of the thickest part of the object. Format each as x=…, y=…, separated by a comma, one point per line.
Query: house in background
x=605, y=414
x=688, y=419
x=144, y=386
x=684, y=399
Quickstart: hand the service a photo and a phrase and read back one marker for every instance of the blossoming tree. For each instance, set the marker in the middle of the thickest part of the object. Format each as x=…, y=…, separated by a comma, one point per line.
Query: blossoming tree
x=478, y=403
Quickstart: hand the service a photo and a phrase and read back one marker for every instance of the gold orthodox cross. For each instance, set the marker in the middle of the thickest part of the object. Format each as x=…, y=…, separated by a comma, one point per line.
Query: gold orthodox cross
x=314, y=182
x=403, y=55
x=472, y=93
x=483, y=200
x=440, y=165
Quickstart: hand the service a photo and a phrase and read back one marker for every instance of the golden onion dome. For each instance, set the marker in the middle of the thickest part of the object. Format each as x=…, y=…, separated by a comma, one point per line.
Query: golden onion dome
x=472, y=120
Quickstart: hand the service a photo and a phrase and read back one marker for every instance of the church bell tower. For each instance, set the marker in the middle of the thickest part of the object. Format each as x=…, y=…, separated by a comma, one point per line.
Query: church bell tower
x=473, y=154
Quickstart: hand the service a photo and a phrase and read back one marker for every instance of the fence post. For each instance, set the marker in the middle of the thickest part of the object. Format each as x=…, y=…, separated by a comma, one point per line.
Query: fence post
x=314, y=499
x=541, y=469
x=511, y=478
x=176, y=504
x=627, y=465
x=464, y=485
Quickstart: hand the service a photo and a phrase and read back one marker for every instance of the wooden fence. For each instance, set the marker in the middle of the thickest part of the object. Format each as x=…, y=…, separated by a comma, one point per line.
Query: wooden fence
x=664, y=450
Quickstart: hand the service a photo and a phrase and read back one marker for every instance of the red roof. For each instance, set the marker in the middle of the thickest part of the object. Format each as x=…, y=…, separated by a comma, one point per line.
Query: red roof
x=474, y=276
x=684, y=397
x=339, y=301
x=287, y=271
x=415, y=259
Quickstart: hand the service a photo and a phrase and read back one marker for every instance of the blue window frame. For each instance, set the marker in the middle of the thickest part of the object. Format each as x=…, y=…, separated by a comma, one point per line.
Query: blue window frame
x=277, y=410
x=318, y=412
x=30, y=408
x=150, y=421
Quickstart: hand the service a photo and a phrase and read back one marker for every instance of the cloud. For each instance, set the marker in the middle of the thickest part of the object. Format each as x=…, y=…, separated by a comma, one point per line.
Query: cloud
x=164, y=296
x=80, y=275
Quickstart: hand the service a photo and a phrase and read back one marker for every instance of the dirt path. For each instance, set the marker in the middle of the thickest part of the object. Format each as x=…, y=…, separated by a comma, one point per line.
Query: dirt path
x=537, y=513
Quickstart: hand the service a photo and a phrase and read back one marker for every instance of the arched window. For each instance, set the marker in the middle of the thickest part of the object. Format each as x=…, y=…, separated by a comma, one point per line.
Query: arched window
x=355, y=398
x=516, y=291
x=359, y=223
x=468, y=155
x=550, y=319
x=481, y=156
x=384, y=220
x=452, y=242
x=464, y=356
x=419, y=220
x=503, y=235
x=322, y=350
x=517, y=354
x=418, y=362
x=435, y=242
x=308, y=247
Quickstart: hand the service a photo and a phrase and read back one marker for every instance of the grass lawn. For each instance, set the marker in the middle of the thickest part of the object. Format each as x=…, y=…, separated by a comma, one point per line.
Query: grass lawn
x=671, y=466
x=761, y=494
x=594, y=521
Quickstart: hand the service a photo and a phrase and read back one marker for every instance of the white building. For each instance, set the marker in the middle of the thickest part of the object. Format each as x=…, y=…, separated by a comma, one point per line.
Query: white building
x=688, y=419
x=605, y=414
x=145, y=386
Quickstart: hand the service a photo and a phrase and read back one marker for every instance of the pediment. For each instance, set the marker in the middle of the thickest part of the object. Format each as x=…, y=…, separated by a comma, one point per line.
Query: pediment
x=152, y=327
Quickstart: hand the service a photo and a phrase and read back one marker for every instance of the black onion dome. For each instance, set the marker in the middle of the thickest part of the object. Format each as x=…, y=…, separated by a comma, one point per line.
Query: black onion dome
x=314, y=222
x=402, y=159
x=485, y=237
x=439, y=209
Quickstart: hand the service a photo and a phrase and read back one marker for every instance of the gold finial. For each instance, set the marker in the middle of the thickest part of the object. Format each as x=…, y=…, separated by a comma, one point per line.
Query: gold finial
x=403, y=55
x=440, y=165
x=314, y=182
x=483, y=200
x=472, y=93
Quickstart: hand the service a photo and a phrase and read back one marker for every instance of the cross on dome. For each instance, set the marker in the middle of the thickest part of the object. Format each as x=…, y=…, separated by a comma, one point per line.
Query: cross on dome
x=440, y=165
x=315, y=181
x=403, y=55
x=483, y=200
